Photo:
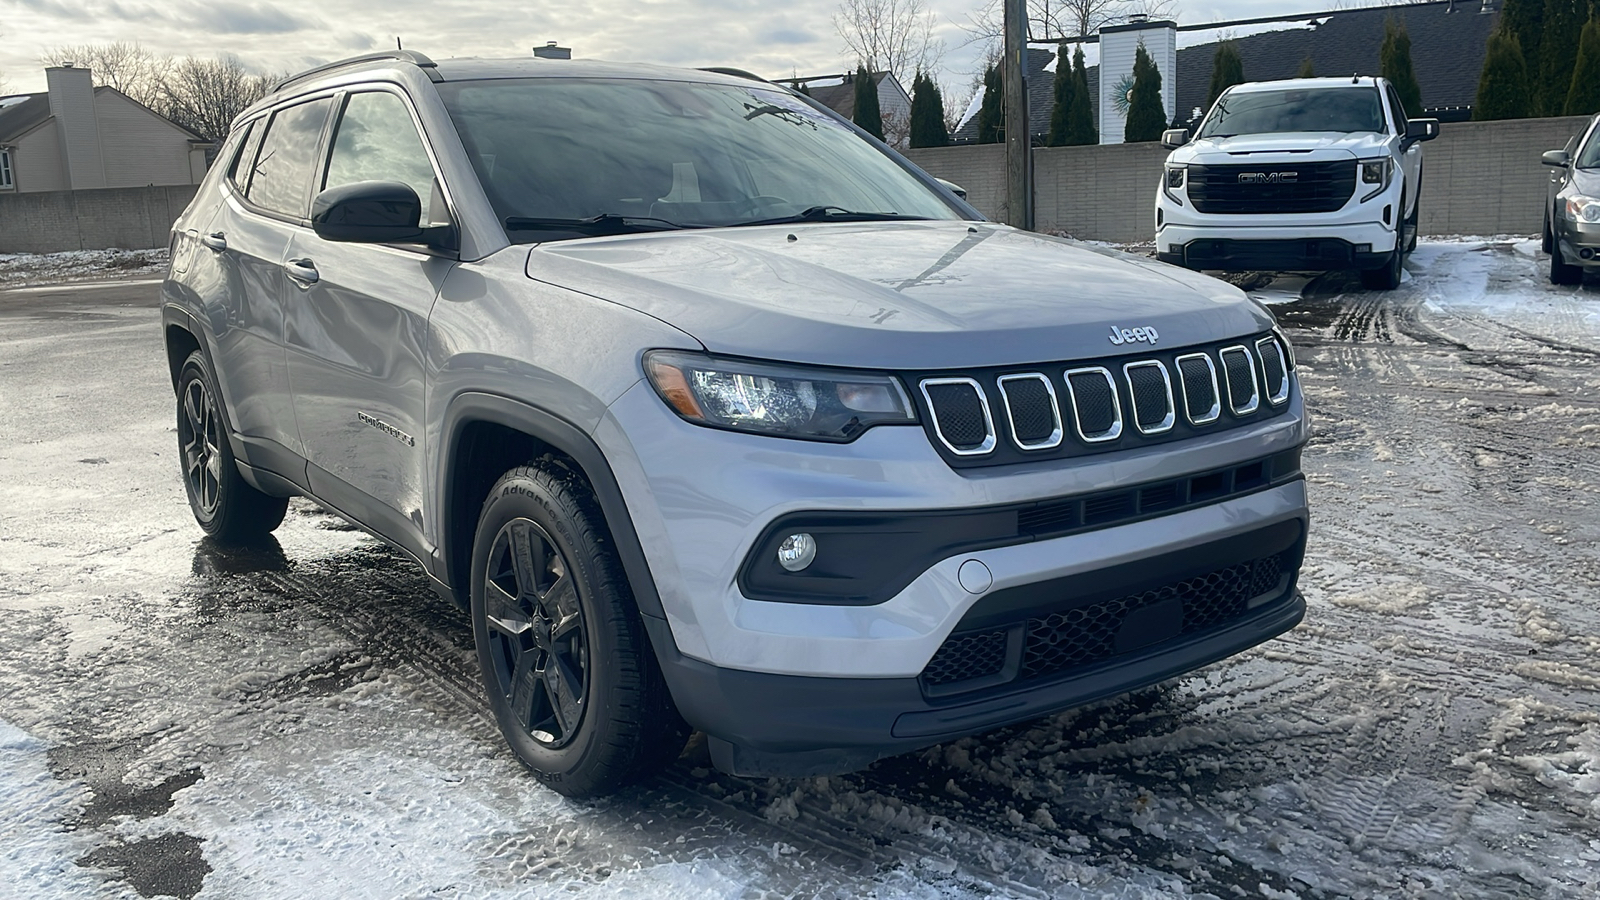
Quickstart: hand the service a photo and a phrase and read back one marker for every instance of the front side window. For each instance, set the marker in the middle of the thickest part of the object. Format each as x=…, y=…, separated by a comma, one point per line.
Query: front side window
x=6, y=183
x=1590, y=157
x=680, y=153
x=377, y=141
x=1346, y=110
x=281, y=177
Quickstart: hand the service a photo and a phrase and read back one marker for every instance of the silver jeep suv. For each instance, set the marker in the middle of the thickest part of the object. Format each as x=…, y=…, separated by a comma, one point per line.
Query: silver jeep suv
x=718, y=414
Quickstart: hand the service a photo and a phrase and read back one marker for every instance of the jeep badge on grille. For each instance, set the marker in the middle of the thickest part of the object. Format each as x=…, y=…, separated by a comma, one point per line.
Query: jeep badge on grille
x=1146, y=335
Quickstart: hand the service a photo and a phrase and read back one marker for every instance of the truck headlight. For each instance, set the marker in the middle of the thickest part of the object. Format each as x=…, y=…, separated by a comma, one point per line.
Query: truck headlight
x=1376, y=172
x=1583, y=209
x=1174, y=181
x=766, y=398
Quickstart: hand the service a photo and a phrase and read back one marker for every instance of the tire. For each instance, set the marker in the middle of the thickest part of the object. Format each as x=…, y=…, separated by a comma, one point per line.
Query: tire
x=224, y=504
x=1561, y=271
x=1545, y=241
x=1386, y=277
x=566, y=664
x=1410, y=225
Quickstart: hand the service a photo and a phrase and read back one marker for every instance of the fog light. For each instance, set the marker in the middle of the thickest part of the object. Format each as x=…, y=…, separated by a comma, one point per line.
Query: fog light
x=797, y=551
x=1363, y=248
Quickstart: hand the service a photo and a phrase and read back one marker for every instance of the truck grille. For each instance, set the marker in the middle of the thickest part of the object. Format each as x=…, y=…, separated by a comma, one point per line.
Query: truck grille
x=1302, y=187
x=1050, y=412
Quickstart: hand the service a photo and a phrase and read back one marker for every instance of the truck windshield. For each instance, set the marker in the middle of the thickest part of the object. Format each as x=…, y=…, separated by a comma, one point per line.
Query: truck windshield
x=1344, y=109
x=572, y=157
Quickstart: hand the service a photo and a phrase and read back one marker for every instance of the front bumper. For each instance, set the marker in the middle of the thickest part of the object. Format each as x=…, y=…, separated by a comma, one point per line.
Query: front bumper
x=1291, y=246
x=1580, y=242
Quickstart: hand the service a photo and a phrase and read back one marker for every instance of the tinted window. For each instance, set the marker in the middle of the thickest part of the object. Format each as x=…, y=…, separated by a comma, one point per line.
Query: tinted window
x=239, y=172
x=377, y=141
x=1268, y=112
x=1590, y=157
x=702, y=154
x=1397, y=110
x=282, y=173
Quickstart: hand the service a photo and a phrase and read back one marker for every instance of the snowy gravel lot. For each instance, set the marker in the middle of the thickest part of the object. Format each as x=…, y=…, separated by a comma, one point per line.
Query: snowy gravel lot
x=304, y=719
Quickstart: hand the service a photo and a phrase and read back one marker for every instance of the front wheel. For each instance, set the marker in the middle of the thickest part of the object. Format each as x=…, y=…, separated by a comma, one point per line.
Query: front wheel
x=1561, y=271
x=1386, y=278
x=224, y=504
x=566, y=664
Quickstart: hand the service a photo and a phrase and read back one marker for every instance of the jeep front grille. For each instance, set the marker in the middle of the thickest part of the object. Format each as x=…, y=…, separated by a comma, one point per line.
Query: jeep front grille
x=1003, y=416
x=1301, y=187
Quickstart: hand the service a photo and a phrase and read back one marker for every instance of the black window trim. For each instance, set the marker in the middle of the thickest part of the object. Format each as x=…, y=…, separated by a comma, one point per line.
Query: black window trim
x=267, y=116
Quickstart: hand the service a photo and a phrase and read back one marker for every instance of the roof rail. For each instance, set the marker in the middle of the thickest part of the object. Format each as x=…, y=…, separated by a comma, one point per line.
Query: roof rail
x=410, y=56
x=736, y=73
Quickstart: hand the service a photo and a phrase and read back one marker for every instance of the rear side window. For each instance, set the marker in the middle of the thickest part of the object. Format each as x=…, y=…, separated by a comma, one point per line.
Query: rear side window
x=283, y=168
x=377, y=141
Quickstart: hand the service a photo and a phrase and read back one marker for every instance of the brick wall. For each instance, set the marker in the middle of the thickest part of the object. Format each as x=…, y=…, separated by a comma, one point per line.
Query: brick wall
x=1477, y=178
x=129, y=218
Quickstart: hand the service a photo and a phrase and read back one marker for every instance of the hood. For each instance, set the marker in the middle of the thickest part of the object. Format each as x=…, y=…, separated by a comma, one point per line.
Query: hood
x=1310, y=145
x=898, y=295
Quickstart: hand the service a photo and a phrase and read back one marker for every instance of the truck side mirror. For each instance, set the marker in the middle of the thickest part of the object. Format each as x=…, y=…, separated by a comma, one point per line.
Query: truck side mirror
x=1418, y=130
x=1173, y=138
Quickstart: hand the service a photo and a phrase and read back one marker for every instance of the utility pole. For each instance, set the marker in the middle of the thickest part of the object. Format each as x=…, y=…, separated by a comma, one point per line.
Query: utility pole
x=1019, y=139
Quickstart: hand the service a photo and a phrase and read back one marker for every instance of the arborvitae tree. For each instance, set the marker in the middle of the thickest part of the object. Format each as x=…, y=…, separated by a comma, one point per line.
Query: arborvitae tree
x=1583, y=97
x=1227, y=70
x=1307, y=70
x=1503, y=86
x=1064, y=89
x=1525, y=20
x=1558, y=53
x=868, y=116
x=992, y=114
x=1146, y=116
x=1080, y=127
x=1395, y=63
x=927, y=114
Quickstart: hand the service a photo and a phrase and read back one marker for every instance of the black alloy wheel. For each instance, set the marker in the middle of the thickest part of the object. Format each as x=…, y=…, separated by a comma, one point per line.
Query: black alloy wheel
x=536, y=634
x=226, y=506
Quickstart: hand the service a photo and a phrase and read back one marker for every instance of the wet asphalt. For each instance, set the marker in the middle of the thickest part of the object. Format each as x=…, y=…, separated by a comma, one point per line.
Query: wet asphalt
x=1428, y=731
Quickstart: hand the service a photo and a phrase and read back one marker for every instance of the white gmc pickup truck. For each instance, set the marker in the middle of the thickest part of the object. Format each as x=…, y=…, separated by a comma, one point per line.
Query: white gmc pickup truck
x=1310, y=174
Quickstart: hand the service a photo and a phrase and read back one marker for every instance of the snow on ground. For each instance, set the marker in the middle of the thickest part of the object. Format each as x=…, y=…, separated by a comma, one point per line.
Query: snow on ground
x=28, y=269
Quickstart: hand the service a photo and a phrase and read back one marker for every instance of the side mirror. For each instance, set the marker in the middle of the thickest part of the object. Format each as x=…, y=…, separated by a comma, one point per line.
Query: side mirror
x=1558, y=158
x=954, y=188
x=368, y=212
x=1173, y=138
x=1421, y=130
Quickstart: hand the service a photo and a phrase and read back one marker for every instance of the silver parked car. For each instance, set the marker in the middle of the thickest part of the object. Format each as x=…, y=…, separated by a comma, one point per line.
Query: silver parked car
x=718, y=414
x=1572, y=208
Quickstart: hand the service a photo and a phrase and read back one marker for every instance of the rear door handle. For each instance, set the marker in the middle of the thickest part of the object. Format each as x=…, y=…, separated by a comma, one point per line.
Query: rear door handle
x=301, y=271
x=216, y=241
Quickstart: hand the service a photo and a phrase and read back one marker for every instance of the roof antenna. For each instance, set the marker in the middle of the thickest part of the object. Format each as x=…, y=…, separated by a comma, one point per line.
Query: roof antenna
x=1355, y=77
x=397, y=43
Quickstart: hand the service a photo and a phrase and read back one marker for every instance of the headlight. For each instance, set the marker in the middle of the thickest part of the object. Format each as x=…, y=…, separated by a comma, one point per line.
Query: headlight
x=1583, y=209
x=1376, y=172
x=765, y=398
x=1175, y=176
x=1288, y=348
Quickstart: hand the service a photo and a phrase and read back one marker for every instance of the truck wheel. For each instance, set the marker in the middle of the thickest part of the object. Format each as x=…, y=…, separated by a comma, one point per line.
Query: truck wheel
x=226, y=506
x=1562, y=272
x=1387, y=277
x=566, y=664
x=1411, y=226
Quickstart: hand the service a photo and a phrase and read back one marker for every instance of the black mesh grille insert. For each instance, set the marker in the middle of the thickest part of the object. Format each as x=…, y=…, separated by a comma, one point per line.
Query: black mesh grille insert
x=1199, y=393
x=1241, y=380
x=1150, y=401
x=1033, y=415
x=1272, y=367
x=959, y=413
x=1094, y=403
x=964, y=656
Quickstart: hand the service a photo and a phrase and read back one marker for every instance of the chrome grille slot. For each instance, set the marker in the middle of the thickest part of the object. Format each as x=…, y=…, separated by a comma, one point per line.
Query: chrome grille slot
x=1031, y=410
x=960, y=412
x=1202, y=402
x=1096, y=411
x=1239, y=370
x=1150, y=388
x=1274, y=370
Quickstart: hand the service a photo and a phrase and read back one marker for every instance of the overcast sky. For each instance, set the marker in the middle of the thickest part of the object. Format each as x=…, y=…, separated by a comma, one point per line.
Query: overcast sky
x=771, y=38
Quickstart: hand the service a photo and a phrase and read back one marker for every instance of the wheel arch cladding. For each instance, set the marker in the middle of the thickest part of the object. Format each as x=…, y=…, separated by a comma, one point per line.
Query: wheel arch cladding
x=181, y=342
x=484, y=436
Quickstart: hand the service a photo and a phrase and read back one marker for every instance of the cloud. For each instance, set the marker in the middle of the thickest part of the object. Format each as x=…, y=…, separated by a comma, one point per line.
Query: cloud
x=789, y=36
x=243, y=18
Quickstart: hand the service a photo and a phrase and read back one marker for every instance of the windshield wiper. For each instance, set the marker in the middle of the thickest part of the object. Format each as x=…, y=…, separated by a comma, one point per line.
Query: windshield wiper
x=836, y=214
x=605, y=223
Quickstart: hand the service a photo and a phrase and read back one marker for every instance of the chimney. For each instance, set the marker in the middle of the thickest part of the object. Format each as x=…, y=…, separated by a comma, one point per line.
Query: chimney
x=72, y=104
x=551, y=51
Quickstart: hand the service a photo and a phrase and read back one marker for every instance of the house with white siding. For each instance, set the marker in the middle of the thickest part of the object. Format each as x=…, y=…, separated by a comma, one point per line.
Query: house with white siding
x=76, y=136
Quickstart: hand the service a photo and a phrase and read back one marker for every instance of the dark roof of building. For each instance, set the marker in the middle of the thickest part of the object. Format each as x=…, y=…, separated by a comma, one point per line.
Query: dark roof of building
x=17, y=118
x=841, y=98
x=1041, y=97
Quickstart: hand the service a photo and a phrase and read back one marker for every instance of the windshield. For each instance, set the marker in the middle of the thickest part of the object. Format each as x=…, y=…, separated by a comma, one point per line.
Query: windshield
x=566, y=157
x=1268, y=112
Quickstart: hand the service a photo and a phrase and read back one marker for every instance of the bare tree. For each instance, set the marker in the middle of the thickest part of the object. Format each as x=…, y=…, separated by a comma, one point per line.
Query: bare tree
x=205, y=95
x=128, y=67
x=1055, y=19
x=890, y=35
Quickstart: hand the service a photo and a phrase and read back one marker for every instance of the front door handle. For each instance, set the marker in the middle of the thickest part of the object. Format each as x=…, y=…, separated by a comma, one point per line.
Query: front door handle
x=301, y=271
x=216, y=241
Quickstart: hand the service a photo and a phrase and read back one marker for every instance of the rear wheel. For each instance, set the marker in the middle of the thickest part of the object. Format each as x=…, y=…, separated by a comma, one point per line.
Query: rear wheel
x=224, y=504
x=566, y=664
x=1561, y=271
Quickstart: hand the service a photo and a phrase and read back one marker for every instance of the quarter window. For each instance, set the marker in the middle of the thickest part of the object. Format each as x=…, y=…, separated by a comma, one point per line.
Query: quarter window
x=6, y=183
x=377, y=141
x=239, y=172
x=281, y=177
